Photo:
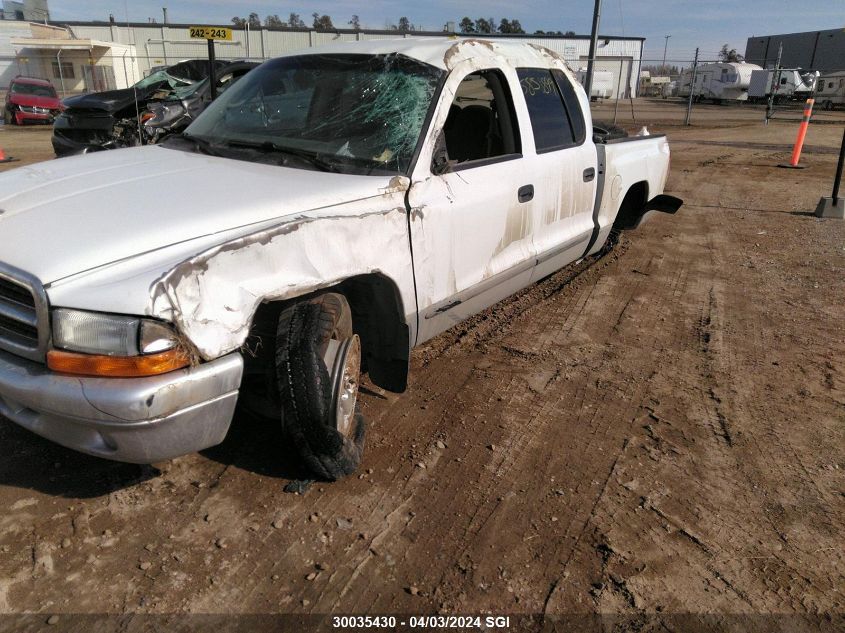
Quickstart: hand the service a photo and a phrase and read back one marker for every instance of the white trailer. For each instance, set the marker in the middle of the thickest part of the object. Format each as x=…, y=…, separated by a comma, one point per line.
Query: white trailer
x=786, y=84
x=720, y=81
x=830, y=90
x=602, y=87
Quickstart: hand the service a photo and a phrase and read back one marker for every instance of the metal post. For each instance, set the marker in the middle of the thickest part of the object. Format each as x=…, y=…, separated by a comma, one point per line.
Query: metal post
x=61, y=74
x=618, y=82
x=594, y=37
x=211, y=78
x=692, y=87
x=834, y=207
x=839, y=166
x=665, y=46
x=770, y=108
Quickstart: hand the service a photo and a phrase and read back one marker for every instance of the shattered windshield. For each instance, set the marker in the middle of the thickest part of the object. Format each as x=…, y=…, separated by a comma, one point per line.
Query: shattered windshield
x=162, y=76
x=348, y=113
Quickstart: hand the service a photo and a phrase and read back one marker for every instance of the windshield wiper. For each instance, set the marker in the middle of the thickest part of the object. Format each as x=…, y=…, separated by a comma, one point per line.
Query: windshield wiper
x=270, y=146
x=205, y=146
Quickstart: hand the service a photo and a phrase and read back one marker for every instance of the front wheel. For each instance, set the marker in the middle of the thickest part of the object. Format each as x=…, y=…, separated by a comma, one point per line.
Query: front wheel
x=318, y=366
x=8, y=119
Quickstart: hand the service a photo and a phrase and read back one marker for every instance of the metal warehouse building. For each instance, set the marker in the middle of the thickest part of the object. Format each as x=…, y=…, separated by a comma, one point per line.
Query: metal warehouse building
x=162, y=44
x=814, y=50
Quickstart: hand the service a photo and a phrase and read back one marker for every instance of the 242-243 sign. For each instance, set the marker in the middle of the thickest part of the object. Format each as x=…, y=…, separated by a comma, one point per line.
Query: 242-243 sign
x=210, y=33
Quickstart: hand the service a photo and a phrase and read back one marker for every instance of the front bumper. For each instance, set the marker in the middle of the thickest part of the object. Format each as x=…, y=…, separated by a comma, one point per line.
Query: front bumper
x=32, y=117
x=139, y=420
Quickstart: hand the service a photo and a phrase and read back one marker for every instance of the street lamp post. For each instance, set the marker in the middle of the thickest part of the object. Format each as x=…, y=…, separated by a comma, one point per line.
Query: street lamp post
x=665, y=46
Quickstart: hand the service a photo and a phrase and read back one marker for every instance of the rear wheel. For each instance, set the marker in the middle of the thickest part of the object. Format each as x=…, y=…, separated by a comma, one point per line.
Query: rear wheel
x=318, y=365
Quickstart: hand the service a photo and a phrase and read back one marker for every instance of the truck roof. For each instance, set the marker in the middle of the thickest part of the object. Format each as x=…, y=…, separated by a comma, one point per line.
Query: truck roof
x=445, y=52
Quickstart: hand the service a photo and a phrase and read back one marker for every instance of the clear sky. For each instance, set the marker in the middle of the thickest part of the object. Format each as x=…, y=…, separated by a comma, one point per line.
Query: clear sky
x=692, y=23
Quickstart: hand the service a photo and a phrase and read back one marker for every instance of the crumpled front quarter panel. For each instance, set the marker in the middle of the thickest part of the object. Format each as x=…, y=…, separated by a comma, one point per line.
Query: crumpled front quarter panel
x=212, y=297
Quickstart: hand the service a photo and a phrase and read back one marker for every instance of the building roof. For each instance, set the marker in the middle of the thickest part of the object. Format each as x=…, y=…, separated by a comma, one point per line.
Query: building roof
x=515, y=36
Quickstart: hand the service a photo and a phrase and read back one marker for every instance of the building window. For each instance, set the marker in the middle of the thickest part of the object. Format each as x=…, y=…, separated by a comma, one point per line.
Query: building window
x=67, y=70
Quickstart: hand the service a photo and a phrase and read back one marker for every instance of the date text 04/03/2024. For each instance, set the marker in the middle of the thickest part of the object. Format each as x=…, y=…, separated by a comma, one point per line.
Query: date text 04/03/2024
x=422, y=621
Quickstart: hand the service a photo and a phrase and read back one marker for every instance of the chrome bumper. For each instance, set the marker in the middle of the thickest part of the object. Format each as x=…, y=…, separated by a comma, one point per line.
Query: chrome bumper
x=140, y=420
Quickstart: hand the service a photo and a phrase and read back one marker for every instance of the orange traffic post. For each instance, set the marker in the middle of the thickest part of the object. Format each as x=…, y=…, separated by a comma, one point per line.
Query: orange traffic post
x=4, y=158
x=802, y=134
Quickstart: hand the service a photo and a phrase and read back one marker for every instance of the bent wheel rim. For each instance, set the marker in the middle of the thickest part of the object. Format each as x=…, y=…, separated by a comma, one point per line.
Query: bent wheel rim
x=343, y=360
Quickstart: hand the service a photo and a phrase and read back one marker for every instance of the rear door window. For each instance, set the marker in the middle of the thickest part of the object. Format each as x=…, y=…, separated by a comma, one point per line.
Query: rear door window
x=549, y=119
x=573, y=105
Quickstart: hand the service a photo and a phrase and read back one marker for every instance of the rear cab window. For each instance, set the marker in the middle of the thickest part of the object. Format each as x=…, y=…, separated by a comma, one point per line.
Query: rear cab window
x=553, y=109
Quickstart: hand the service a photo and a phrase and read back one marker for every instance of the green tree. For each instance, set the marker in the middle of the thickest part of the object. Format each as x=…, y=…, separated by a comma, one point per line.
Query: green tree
x=510, y=26
x=295, y=22
x=466, y=25
x=404, y=25
x=239, y=23
x=322, y=22
x=483, y=26
x=273, y=21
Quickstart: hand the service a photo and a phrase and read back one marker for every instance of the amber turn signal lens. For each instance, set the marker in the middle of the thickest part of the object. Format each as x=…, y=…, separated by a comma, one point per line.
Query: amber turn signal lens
x=117, y=366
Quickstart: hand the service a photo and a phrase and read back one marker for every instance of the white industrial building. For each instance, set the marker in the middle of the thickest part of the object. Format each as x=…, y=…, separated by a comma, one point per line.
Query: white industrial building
x=125, y=50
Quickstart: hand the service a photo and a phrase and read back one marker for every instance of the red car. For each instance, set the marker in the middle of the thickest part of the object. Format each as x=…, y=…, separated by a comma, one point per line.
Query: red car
x=31, y=100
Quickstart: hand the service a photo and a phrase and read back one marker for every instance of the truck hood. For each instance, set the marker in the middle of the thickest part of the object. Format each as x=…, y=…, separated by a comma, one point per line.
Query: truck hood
x=111, y=101
x=70, y=215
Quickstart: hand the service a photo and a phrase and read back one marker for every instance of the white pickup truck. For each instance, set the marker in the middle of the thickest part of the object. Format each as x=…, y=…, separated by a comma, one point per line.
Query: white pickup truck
x=326, y=214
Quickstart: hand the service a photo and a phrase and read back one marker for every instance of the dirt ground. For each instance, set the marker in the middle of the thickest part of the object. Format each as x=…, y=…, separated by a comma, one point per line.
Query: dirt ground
x=661, y=431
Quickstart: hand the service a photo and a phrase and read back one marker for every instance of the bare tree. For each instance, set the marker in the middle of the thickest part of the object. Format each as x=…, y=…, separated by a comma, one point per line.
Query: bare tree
x=355, y=23
x=404, y=25
x=729, y=55
x=239, y=23
x=254, y=21
x=295, y=22
x=273, y=21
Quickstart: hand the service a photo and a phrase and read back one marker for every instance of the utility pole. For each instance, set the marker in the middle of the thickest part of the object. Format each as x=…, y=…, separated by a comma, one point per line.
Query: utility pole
x=770, y=107
x=164, y=11
x=665, y=46
x=692, y=87
x=594, y=37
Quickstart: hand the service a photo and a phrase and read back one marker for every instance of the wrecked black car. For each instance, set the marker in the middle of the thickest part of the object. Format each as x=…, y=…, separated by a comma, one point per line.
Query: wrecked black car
x=112, y=119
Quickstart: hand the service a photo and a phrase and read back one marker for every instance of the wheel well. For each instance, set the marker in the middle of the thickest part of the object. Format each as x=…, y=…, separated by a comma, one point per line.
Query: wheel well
x=377, y=317
x=632, y=208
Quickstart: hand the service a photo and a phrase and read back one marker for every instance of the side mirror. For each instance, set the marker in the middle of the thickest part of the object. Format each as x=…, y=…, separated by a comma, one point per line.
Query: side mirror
x=440, y=157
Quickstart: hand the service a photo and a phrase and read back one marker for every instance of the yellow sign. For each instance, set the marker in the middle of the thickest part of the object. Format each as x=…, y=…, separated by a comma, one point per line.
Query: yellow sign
x=210, y=33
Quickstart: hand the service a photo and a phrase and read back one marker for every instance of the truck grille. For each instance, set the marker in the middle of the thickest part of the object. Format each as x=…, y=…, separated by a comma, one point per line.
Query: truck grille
x=24, y=328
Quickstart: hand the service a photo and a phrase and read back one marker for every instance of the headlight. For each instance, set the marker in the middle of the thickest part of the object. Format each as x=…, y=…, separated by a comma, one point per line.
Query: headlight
x=113, y=345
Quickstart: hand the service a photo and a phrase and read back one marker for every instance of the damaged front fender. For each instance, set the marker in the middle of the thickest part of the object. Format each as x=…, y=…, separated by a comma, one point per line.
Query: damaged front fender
x=212, y=297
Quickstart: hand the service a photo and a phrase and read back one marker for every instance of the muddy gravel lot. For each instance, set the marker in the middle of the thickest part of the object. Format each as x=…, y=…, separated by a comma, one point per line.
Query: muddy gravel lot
x=659, y=431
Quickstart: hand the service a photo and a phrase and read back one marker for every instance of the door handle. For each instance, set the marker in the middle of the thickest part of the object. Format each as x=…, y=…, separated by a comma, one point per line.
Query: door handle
x=589, y=174
x=525, y=193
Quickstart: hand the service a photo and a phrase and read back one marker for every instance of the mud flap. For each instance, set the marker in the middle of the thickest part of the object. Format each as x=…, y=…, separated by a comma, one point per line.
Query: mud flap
x=664, y=204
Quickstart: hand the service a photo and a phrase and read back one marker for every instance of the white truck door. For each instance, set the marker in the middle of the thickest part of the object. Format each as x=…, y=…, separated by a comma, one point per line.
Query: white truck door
x=565, y=166
x=471, y=219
